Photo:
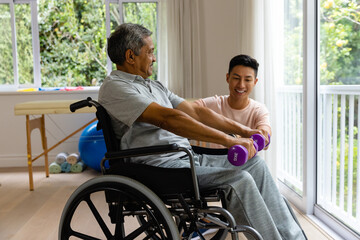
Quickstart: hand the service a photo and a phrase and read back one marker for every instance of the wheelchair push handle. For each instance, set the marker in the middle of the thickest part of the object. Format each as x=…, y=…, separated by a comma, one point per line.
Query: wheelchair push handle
x=80, y=104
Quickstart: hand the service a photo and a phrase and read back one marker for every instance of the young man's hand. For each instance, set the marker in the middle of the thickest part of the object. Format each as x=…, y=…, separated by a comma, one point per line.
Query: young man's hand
x=266, y=134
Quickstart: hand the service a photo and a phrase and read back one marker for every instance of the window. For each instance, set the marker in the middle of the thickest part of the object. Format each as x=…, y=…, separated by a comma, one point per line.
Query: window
x=318, y=118
x=16, y=45
x=6, y=67
x=52, y=43
x=338, y=111
x=72, y=38
x=24, y=44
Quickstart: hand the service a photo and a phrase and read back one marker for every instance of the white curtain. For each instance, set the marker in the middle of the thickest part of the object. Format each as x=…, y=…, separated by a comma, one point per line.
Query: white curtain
x=261, y=37
x=179, y=66
x=258, y=36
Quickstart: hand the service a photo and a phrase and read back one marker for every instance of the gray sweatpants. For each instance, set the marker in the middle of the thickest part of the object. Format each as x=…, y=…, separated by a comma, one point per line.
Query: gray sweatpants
x=251, y=194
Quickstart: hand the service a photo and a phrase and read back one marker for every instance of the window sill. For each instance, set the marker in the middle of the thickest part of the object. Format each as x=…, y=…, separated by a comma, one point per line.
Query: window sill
x=50, y=92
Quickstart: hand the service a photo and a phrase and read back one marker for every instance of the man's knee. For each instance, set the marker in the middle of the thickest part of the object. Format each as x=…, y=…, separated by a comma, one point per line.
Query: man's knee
x=241, y=180
x=256, y=162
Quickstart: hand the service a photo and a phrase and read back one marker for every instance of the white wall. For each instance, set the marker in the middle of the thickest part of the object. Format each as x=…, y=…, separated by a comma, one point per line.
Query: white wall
x=220, y=36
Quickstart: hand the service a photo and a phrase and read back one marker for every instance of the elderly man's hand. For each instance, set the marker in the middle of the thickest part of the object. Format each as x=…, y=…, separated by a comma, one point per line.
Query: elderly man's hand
x=248, y=143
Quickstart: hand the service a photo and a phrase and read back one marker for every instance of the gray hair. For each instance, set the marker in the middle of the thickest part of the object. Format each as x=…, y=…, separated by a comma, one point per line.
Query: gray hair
x=126, y=36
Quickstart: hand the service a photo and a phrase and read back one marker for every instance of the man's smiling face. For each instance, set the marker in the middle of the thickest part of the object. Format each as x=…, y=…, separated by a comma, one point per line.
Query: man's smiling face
x=241, y=82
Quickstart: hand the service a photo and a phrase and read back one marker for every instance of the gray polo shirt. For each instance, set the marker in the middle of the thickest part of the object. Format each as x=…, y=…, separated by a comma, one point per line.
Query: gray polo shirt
x=125, y=97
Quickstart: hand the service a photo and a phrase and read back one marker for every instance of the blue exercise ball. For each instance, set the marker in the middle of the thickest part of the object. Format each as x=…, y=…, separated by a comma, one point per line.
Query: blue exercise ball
x=92, y=146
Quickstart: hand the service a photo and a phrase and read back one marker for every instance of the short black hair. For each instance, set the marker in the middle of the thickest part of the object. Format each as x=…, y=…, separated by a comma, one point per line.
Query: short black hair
x=126, y=36
x=244, y=60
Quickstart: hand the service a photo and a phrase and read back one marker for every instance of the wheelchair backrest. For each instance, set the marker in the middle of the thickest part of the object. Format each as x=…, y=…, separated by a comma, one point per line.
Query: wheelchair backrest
x=104, y=123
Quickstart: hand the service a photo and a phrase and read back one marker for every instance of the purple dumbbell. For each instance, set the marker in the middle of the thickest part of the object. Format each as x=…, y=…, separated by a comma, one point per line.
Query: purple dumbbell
x=238, y=155
x=260, y=140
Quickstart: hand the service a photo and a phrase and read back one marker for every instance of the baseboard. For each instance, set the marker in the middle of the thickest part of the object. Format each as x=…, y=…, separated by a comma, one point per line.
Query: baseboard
x=21, y=160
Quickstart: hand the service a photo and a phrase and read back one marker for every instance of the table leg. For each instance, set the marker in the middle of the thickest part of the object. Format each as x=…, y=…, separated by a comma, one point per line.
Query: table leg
x=29, y=156
x=31, y=125
x=44, y=144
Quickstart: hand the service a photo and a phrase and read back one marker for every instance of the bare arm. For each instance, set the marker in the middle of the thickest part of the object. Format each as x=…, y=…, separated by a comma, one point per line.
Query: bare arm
x=215, y=120
x=183, y=124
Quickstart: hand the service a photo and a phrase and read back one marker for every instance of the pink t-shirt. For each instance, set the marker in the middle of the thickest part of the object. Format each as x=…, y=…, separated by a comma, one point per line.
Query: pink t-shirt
x=254, y=115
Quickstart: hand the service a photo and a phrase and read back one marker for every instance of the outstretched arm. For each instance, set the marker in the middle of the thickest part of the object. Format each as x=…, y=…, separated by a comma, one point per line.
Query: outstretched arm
x=184, y=124
x=215, y=120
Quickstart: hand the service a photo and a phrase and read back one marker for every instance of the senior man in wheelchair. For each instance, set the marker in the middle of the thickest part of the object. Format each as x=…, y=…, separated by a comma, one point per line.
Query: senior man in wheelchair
x=145, y=113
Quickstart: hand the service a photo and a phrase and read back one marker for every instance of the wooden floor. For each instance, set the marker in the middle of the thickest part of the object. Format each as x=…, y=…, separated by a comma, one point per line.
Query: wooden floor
x=35, y=215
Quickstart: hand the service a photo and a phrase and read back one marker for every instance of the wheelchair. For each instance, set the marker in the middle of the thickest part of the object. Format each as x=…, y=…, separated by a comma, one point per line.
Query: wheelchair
x=160, y=203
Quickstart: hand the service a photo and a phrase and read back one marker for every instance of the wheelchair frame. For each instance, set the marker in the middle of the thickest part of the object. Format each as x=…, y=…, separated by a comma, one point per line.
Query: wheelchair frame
x=162, y=210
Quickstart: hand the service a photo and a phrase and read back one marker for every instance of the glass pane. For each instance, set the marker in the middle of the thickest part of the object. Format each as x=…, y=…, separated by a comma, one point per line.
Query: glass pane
x=6, y=63
x=72, y=42
x=290, y=96
x=146, y=15
x=24, y=44
x=114, y=16
x=339, y=42
x=338, y=110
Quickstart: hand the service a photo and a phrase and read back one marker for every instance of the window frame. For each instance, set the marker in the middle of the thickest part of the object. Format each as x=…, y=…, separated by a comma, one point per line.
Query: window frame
x=36, y=41
x=306, y=201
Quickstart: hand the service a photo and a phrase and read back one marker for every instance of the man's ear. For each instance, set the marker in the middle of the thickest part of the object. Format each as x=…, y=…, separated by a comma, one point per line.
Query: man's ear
x=256, y=80
x=227, y=77
x=129, y=56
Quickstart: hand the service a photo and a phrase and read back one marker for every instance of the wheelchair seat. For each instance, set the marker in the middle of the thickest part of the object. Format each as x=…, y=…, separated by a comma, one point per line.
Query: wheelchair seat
x=167, y=202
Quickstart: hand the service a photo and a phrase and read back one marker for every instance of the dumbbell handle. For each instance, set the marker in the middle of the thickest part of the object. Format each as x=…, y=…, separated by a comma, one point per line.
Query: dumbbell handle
x=238, y=155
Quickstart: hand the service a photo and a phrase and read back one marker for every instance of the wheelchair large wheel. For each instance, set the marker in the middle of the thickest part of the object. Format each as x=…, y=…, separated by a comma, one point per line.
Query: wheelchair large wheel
x=86, y=213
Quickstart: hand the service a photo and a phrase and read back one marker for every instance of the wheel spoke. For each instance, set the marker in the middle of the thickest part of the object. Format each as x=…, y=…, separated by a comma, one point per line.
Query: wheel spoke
x=98, y=218
x=83, y=236
x=155, y=221
x=119, y=225
x=139, y=230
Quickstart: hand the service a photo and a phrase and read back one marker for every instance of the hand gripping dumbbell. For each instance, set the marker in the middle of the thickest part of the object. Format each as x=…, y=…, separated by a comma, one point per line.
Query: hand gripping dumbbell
x=238, y=155
x=260, y=140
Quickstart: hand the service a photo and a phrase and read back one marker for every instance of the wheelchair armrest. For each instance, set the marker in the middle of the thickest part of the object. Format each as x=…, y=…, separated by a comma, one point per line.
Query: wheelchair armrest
x=210, y=151
x=142, y=151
